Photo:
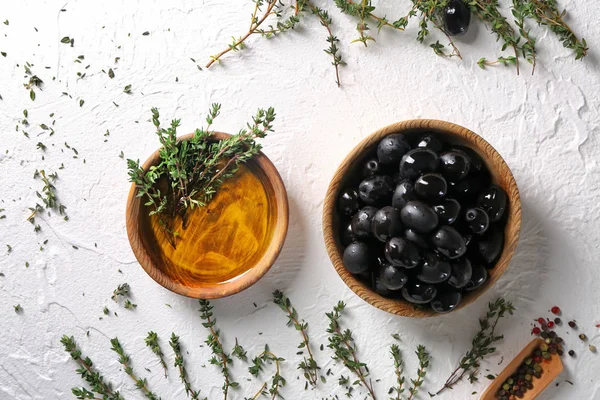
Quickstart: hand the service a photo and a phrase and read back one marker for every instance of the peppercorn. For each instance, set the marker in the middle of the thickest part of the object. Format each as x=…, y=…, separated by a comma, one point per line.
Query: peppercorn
x=592, y=348
x=572, y=353
x=572, y=324
x=557, y=321
x=552, y=334
x=555, y=310
x=535, y=331
x=582, y=336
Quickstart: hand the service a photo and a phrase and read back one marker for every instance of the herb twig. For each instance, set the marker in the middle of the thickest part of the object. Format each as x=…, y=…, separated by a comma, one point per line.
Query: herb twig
x=277, y=381
x=482, y=343
x=88, y=373
x=398, y=369
x=220, y=358
x=124, y=359
x=342, y=343
x=423, y=357
x=309, y=366
x=152, y=343
x=333, y=41
x=179, y=364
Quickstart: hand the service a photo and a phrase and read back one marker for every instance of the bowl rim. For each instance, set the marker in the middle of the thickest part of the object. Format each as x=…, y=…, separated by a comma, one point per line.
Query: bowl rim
x=240, y=282
x=334, y=248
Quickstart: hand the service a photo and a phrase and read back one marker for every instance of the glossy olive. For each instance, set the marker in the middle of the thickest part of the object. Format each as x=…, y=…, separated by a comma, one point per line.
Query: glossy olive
x=454, y=165
x=434, y=270
x=386, y=223
x=457, y=17
x=449, y=242
x=477, y=220
x=490, y=245
x=361, y=222
x=413, y=236
x=380, y=288
x=391, y=149
x=477, y=163
x=493, y=200
x=372, y=167
x=357, y=258
x=348, y=235
x=349, y=202
x=405, y=192
x=466, y=190
x=419, y=216
x=446, y=301
x=430, y=142
x=462, y=270
x=402, y=253
x=418, y=162
x=418, y=292
x=478, y=278
x=376, y=190
x=447, y=211
x=392, y=277
x=431, y=186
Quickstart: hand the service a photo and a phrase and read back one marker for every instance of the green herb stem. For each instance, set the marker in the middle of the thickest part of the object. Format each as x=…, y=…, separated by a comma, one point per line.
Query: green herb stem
x=124, y=359
x=152, y=343
x=277, y=380
x=423, y=357
x=180, y=365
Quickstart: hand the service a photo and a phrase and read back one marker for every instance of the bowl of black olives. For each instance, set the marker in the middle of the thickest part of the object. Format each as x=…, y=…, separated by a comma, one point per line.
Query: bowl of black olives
x=421, y=218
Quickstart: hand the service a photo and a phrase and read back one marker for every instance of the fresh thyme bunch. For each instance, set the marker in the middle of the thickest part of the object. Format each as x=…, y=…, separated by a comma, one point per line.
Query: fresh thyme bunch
x=482, y=343
x=191, y=171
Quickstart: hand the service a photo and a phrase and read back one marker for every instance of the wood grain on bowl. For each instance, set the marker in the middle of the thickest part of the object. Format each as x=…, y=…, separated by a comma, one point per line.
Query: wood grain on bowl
x=550, y=371
x=227, y=245
x=500, y=173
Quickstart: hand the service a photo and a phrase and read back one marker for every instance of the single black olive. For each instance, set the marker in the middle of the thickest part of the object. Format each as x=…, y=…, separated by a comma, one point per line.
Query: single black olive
x=431, y=186
x=454, y=165
x=477, y=220
x=391, y=149
x=478, y=278
x=376, y=190
x=449, y=242
x=457, y=17
x=418, y=292
x=392, y=277
x=402, y=253
x=405, y=192
x=447, y=211
x=490, y=246
x=493, y=200
x=419, y=216
x=349, y=202
x=446, y=301
x=434, y=270
x=418, y=162
x=431, y=142
x=361, y=222
x=462, y=270
x=357, y=258
x=386, y=223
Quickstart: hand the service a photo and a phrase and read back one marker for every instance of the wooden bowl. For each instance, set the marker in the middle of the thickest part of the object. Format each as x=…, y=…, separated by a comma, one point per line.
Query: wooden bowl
x=227, y=245
x=348, y=170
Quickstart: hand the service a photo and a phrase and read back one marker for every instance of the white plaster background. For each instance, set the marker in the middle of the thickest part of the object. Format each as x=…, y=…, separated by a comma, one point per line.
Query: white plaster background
x=545, y=126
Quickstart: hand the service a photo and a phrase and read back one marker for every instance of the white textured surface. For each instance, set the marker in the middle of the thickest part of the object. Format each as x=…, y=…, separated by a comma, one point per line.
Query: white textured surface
x=546, y=126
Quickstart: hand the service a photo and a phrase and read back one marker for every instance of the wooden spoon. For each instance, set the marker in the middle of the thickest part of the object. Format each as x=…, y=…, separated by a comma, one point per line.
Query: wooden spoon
x=550, y=371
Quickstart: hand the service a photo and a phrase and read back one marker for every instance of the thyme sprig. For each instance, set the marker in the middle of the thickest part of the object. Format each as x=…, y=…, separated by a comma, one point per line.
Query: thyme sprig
x=220, y=358
x=124, y=359
x=180, y=365
x=277, y=381
x=152, y=343
x=398, y=389
x=88, y=373
x=482, y=343
x=194, y=169
x=48, y=196
x=423, y=357
x=309, y=366
x=333, y=41
x=342, y=343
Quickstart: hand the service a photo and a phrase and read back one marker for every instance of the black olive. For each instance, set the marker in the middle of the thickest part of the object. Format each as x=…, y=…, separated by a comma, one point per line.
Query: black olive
x=376, y=190
x=357, y=258
x=349, y=202
x=478, y=278
x=418, y=162
x=405, y=192
x=493, y=200
x=391, y=149
x=361, y=222
x=434, y=270
x=380, y=288
x=462, y=270
x=372, y=167
x=466, y=190
x=446, y=301
x=447, y=211
x=418, y=292
x=402, y=253
x=419, y=216
x=477, y=220
x=449, y=242
x=476, y=161
x=348, y=235
x=412, y=236
x=392, y=277
x=490, y=246
x=454, y=165
x=431, y=142
x=457, y=17
x=431, y=186
x=386, y=223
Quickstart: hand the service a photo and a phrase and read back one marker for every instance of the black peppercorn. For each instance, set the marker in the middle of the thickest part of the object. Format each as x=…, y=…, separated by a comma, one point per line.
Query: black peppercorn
x=572, y=353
